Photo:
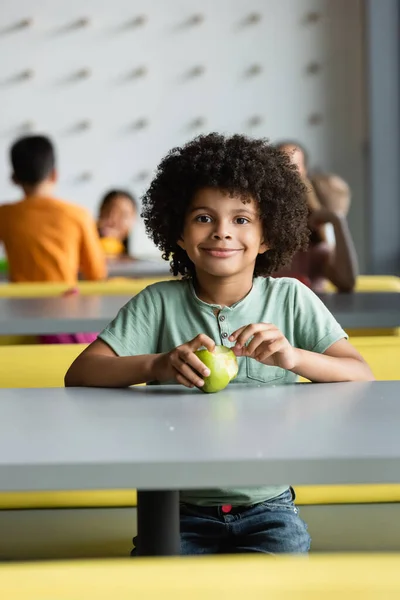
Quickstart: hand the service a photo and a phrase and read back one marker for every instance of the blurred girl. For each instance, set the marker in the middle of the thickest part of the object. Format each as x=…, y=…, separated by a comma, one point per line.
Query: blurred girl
x=117, y=217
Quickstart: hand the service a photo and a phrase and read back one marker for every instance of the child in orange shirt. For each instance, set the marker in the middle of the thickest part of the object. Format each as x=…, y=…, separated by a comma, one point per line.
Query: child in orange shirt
x=46, y=239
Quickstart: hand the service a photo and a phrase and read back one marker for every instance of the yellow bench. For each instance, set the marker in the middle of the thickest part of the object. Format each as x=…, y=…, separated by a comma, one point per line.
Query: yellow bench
x=373, y=283
x=331, y=577
x=306, y=495
x=36, y=366
x=382, y=354
x=365, y=283
x=111, y=287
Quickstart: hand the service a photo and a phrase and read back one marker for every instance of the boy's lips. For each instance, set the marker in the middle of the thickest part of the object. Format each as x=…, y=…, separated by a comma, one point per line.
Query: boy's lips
x=221, y=252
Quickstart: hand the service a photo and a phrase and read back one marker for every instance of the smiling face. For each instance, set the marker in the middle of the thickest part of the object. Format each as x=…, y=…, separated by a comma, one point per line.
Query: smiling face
x=222, y=235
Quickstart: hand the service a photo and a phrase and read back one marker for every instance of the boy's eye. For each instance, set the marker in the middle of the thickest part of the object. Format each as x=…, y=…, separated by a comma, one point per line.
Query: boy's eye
x=241, y=220
x=203, y=219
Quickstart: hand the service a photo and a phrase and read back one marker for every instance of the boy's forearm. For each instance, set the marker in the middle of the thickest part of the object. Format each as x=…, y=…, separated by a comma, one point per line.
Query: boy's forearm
x=93, y=370
x=324, y=369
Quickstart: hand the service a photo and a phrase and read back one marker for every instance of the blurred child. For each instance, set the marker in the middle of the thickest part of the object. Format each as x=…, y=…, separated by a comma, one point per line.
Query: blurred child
x=46, y=239
x=331, y=254
x=118, y=214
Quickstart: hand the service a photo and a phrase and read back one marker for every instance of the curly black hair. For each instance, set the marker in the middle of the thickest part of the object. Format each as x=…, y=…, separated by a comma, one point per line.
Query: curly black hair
x=239, y=165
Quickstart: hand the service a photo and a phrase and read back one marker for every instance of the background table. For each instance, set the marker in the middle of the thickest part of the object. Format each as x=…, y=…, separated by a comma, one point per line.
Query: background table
x=167, y=438
x=365, y=309
x=71, y=314
x=92, y=313
x=138, y=268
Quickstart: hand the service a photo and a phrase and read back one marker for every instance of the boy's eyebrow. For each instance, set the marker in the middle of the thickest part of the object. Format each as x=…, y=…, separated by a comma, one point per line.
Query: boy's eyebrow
x=235, y=210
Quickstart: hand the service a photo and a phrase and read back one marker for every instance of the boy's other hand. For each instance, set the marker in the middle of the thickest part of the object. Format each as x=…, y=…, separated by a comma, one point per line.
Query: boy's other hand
x=267, y=344
x=183, y=365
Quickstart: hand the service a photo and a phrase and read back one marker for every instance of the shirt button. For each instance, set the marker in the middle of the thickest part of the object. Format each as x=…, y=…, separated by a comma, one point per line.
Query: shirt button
x=224, y=335
x=222, y=318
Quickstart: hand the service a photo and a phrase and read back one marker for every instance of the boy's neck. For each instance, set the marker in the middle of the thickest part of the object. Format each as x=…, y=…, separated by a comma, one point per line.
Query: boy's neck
x=223, y=291
x=45, y=189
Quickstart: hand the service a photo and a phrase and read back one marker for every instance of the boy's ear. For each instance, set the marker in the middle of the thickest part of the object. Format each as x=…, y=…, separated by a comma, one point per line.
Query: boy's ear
x=263, y=248
x=53, y=177
x=181, y=243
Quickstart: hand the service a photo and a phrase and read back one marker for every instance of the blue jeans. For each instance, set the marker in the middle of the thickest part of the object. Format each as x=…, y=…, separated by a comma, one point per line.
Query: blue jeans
x=271, y=527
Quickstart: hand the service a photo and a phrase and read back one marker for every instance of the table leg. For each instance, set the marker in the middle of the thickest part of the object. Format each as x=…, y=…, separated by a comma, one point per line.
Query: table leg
x=158, y=523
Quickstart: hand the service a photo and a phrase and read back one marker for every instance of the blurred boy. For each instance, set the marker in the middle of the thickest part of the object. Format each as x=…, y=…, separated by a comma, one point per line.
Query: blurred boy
x=46, y=239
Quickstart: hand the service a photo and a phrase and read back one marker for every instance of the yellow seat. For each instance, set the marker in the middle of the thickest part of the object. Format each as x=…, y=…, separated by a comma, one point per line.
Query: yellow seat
x=306, y=495
x=68, y=499
x=111, y=287
x=36, y=366
x=382, y=354
x=352, y=333
x=344, y=576
x=373, y=283
x=311, y=495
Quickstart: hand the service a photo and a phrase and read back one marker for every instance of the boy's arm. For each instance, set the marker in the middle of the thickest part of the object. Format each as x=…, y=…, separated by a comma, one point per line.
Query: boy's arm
x=267, y=344
x=100, y=366
x=92, y=259
x=340, y=362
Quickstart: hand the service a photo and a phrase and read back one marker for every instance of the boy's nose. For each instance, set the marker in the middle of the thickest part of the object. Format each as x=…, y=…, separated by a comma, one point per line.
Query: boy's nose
x=221, y=236
x=221, y=233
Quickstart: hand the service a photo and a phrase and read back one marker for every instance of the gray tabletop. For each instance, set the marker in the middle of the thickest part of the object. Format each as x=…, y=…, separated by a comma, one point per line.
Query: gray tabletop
x=92, y=313
x=72, y=314
x=365, y=310
x=170, y=438
x=138, y=268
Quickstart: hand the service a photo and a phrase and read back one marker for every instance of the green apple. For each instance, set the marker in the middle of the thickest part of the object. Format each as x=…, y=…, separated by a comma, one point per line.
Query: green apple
x=223, y=366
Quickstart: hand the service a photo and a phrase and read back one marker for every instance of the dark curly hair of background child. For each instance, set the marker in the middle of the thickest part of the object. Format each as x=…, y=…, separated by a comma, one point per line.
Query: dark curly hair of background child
x=250, y=168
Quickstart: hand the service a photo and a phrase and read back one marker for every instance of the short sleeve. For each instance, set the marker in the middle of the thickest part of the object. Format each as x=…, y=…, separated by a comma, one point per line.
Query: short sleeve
x=135, y=329
x=315, y=328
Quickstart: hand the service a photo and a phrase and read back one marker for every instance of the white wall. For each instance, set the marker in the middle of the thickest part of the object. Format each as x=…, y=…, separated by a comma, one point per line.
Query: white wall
x=284, y=42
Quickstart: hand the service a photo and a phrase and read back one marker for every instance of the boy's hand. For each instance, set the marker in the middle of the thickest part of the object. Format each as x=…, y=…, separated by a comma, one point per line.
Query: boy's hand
x=182, y=364
x=269, y=346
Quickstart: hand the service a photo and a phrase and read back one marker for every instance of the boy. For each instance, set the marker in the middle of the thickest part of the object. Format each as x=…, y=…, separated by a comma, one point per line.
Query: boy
x=46, y=239
x=228, y=210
